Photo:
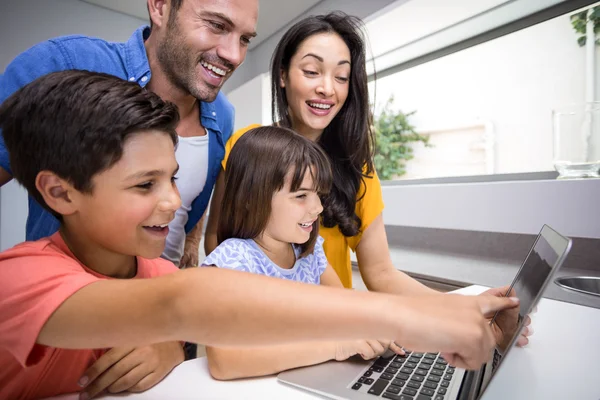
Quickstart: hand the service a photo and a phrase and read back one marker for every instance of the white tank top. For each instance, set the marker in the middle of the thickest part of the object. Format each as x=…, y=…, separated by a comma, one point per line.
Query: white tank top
x=192, y=156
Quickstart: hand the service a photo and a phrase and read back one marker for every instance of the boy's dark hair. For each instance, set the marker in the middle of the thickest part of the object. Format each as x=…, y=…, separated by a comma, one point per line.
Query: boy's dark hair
x=256, y=169
x=75, y=124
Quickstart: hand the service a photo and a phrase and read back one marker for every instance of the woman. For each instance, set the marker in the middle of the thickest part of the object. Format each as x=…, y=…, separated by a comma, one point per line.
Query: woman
x=319, y=89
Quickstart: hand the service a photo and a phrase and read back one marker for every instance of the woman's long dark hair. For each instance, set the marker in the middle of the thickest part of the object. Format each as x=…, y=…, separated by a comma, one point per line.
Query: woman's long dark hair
x=349, y=139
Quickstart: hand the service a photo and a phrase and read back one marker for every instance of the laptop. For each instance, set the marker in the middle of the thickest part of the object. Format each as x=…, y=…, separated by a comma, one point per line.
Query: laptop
x=427, y=376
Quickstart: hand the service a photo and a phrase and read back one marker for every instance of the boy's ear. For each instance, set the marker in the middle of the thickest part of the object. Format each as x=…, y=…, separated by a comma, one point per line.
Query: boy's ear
x=57, y=192
x=158, y=12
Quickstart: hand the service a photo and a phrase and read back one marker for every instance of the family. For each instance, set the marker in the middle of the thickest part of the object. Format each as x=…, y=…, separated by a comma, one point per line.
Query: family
x=121, y=147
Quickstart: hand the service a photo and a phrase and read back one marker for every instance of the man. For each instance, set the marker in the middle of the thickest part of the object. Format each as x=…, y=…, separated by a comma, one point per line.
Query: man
x=189, y=51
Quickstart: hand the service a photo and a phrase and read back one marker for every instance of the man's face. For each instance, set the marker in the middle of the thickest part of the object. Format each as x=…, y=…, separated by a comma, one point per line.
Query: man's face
x=204, y=42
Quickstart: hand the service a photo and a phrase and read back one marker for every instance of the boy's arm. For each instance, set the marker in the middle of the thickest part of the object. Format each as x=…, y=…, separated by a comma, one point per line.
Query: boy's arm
x=255, y=310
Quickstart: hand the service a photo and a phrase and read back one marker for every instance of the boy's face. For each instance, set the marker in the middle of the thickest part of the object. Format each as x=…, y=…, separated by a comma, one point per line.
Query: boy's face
x=133, y=201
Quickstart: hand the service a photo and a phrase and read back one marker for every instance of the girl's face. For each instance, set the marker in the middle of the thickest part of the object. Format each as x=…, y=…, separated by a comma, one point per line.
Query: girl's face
x=293, y=214
x=316, y=83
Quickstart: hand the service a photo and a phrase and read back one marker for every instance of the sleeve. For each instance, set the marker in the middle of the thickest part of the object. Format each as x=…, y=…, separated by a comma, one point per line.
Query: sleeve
x=231, y=142
x=32, y=288
x=368, y=207
x=157, y=267
x=320, y=257
x=39, y=60
x=231, y=254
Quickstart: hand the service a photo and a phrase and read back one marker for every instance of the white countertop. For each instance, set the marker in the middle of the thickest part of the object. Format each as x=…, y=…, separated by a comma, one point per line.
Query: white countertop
x=562, y=361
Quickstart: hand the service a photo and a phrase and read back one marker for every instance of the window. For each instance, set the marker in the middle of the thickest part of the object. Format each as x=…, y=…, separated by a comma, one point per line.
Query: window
x=485, y=109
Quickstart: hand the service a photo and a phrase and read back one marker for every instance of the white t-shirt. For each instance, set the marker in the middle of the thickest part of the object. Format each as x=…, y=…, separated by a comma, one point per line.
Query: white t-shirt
x=192, y=156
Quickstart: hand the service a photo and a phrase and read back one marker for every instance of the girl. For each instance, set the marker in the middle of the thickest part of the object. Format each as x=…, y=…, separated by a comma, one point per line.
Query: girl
x=319, y=89
x=270, y=227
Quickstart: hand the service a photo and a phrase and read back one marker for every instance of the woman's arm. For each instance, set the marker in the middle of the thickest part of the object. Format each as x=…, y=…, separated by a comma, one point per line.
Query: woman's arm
x=210, y=236
x=376, y=268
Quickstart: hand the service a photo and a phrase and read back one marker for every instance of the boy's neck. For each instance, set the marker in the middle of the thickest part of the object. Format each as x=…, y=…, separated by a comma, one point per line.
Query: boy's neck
x=97, y=258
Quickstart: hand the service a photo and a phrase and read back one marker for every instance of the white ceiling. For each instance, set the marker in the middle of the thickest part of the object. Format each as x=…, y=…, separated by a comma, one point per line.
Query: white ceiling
x=273, y=14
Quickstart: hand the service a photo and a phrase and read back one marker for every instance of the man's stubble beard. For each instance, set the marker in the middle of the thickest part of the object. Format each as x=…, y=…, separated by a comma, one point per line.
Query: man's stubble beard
x=172, y=54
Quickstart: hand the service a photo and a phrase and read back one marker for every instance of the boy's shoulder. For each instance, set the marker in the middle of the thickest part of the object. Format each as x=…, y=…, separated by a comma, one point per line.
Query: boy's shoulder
x=45, y=247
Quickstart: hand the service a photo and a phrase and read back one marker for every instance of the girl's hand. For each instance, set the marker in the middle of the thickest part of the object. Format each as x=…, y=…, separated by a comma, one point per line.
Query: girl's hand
x=130, y=369
x=367, y=349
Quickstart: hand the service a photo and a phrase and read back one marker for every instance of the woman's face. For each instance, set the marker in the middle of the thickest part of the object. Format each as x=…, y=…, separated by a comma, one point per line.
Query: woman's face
x=316, y=83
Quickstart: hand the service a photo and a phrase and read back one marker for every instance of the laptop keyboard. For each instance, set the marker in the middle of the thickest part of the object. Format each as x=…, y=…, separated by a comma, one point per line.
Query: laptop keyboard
x=413, y=376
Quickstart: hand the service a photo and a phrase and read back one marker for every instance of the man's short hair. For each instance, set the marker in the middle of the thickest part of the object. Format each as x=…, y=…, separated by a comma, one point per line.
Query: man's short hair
x=75, y=124
x=175, y=6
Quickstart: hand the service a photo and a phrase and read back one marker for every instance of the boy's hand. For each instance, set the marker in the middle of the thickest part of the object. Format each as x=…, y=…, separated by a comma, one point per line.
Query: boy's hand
x=131, y=369
x=507, y=321
x=453, y=325
x=367, y=349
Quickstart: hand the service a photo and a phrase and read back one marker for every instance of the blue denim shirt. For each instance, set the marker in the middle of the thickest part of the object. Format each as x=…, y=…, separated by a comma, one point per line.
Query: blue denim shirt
x=127, y=61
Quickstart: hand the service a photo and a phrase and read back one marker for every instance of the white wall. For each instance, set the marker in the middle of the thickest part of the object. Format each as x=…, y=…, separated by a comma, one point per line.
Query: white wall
x=252, y=102
x=258, y=59
x=24, y=23
x=513, y=81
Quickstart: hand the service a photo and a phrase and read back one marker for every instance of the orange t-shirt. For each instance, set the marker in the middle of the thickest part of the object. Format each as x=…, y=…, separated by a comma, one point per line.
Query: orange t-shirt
x=35, y=279
x=337, y=246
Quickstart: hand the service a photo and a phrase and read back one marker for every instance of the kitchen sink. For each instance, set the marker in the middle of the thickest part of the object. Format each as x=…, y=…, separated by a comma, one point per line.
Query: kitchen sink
x=582, y=284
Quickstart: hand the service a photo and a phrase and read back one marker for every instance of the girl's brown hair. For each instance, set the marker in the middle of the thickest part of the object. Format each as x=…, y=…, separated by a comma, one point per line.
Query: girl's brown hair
x=256, y=169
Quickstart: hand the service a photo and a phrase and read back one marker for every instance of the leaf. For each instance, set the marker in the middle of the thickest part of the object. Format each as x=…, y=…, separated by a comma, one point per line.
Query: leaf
x=581, y=41
x=394, y=136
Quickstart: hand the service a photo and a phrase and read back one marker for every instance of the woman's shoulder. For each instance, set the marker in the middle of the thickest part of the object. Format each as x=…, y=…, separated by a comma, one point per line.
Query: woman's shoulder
x=240, y=132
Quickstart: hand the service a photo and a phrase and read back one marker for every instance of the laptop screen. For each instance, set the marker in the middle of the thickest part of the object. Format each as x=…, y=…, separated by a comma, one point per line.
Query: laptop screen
x=546, y=255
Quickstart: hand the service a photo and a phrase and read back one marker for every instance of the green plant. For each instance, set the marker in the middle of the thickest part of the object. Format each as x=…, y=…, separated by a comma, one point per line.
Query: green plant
x=394, y=136
x=580, y=20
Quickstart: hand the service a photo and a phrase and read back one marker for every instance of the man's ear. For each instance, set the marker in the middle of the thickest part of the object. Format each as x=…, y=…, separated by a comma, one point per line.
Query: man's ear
x=56, y=192
x=158, y=11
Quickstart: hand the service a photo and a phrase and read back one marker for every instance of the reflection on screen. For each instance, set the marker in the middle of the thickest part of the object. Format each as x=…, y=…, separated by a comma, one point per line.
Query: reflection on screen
x=532, y=275
x=527, y=285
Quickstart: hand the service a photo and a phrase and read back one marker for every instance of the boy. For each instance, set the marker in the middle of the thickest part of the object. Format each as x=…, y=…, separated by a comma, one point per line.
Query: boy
x=99, y=154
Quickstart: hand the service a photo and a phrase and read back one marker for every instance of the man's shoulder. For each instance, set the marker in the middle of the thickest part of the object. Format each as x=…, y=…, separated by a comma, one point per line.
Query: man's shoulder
x=241, y=132
x=223, y=105
x=66, y=52
x=73, y=45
